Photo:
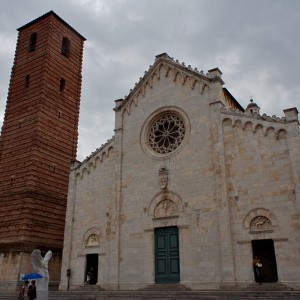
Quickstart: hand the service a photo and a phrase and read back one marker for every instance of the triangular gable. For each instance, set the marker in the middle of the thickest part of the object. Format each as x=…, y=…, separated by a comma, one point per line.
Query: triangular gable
x=186, y=74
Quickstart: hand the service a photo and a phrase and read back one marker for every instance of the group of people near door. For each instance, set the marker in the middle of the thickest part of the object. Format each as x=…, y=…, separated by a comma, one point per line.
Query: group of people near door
x=28, y=291
x=257, y=266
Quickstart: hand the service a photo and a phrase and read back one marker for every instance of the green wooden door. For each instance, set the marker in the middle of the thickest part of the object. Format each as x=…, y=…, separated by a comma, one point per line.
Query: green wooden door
x=167, y=255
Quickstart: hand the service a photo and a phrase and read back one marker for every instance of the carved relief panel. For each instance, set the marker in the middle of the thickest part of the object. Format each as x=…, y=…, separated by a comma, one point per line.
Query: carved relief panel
x=165, y=208
x=92, y=238
x=260, y=223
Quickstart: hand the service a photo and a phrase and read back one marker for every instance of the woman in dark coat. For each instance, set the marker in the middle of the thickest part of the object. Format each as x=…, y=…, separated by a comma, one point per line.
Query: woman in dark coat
x=32, y=291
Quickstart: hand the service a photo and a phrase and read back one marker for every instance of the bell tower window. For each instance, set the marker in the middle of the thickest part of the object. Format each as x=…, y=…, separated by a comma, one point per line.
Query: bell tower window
x=27, y=78
x=65, y=47
x=62, y=84
x=33, y=39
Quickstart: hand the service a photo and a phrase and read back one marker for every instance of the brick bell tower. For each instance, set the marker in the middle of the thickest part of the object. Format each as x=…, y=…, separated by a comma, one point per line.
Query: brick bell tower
x=38, y=142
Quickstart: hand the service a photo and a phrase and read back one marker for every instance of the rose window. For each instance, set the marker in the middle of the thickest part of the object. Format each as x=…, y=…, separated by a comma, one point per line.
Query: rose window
x=166, y=133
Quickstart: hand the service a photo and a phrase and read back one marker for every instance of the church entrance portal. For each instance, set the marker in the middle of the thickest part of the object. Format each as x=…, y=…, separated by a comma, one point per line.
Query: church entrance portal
x=264, y=250
x=91, y=268
x=167, y=255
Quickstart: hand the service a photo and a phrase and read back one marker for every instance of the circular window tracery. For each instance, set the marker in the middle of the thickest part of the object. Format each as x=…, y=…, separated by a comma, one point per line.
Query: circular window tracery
x=166, y=133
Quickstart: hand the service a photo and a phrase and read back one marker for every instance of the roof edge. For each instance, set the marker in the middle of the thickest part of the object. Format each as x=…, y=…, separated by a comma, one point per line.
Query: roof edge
x=170, y=60
x=51, y=12
x=225, y=90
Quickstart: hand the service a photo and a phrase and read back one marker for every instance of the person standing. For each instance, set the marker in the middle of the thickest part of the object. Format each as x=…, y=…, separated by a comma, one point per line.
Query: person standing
x=90, y=276
x=257, y=269
x=24, y=291
x=32, y=291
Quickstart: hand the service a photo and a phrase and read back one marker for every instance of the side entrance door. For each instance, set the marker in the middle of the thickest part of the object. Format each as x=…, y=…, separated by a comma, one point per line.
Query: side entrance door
x=167, y=255
x=264, y=250
x=92, y=268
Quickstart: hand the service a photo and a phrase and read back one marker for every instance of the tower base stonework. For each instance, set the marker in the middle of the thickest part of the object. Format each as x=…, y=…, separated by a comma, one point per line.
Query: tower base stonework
x=15, y=264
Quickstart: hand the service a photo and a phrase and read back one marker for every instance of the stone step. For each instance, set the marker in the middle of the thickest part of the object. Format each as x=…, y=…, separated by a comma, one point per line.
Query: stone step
x=267, y=287
x=169, y=287
x=175, y=295
x=85, y=294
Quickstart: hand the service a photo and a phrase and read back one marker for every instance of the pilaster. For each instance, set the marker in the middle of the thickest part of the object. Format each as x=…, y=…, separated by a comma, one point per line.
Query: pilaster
x=225, y=233
x=116, y=248
x=68, y=233
x=293, y=141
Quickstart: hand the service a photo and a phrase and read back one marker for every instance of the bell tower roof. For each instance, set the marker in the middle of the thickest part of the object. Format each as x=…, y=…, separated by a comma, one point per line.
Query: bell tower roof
x=51, y=12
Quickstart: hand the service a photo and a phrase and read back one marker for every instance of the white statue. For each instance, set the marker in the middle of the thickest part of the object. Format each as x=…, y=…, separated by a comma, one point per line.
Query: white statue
x=40, y=265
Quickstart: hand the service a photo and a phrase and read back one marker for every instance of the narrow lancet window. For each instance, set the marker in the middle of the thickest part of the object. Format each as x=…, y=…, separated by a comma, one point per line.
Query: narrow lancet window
x=62, y=84
x=65, y=47
x=27, y=79
x=33, y=39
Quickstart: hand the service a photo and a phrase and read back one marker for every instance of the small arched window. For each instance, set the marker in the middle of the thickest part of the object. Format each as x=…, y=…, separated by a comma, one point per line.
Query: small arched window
x=62, y=84
x=32, y=44
x=65, y=47
x=27, y=79
x=12, y=179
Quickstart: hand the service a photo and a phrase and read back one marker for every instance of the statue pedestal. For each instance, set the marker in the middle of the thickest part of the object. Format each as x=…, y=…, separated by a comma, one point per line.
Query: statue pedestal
x=42, y=295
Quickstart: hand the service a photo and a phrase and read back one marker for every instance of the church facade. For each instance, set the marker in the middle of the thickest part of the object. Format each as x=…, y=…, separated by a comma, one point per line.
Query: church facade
x=189, y=190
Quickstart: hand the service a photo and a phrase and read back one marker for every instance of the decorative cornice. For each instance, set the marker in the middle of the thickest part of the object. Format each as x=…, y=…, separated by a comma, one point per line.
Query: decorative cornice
x=278, y=126
x=27, y=246
x=262, y=117
x=187, y=74
x=90, y=160
x=98, y=150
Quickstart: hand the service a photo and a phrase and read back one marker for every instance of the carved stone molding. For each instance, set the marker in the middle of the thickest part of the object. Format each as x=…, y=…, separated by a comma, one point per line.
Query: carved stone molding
x=92, y=238
x=157, y=203
x=260, y=223
x=165, y=208
x=260, y=219
x=163, y=178
x=179, y=73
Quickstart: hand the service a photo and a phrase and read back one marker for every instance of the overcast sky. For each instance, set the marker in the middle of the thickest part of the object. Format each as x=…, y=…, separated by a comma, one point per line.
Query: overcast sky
x=256, y=44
